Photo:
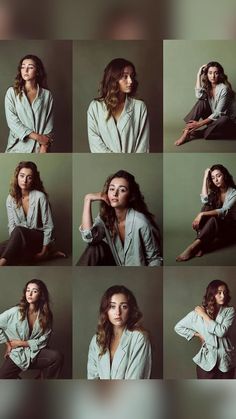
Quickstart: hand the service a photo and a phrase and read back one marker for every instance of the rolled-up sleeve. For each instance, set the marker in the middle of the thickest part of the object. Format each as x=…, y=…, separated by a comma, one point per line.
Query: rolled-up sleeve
x=185, y=327
x=95, y=234
x=39, y=343
x=199, y=93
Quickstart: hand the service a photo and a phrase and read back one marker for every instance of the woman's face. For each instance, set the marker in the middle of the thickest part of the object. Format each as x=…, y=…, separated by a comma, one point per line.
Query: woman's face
x=28, y=70
x=220, y=295
x=217, y=178
x=25, y=179
x=32, y=293
x=126, y=80
x=118, y=311
x=213, y=75
x=118, y=193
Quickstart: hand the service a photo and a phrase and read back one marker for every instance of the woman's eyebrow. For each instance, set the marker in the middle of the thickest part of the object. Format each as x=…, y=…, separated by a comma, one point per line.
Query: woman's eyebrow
x=119, y=186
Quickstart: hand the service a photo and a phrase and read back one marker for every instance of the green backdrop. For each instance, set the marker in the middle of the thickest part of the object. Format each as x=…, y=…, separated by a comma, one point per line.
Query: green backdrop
x=58, y=282
x=184, y=289
x=89, y=286
x=182, y=60
x=90, y=60
x=57, y=59
x=56, y=174
x=90, y=172
x=183, y=176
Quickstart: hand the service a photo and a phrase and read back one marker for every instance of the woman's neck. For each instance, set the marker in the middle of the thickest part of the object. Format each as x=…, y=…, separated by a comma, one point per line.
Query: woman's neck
x=24, y=194
x=117, y=332
x=121, y=98
x=32, y=309
x=121, y=214
x=30, y=85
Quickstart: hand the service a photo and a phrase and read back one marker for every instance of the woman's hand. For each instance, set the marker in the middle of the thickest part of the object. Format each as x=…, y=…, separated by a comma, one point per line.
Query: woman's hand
x=207, y=171
x=16, y=343
x=193, y=125
x=196, y=221
x=42, y=255
x=97, y=196
x=8, y=350
x=201, y=69
x=200, y=337
x=200, y=311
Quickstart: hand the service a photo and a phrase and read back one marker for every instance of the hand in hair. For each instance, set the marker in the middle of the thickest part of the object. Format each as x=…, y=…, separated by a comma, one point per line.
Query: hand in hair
x=97, y=196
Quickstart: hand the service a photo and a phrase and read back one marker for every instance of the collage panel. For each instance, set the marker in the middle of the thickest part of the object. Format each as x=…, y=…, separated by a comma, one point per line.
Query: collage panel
x=108, y=291
x=199, y=99
x=199, y=322
x=47, y=332
x=49, y=113
x=199, y=230
x=119, y=76
x=131, y=180
x=45, y=235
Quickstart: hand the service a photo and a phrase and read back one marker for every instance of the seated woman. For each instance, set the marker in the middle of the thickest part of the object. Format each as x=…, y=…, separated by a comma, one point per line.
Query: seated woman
x=211, y=324
x=216, y=223
x=117, y=122
x=29, y=109
x=214, y=109
x=29, y=219
x=124, y=233
x=120, y=349
x=26, y=329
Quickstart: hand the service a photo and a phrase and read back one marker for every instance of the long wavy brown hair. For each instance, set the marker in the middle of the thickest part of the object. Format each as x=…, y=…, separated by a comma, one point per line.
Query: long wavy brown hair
x=110, y=89
x=105, y=328
x=209, y=301
x=41, y=76
x=42, y=305
x=223, y=78
x=213, y=190
x=37, y=184
x=136, y=201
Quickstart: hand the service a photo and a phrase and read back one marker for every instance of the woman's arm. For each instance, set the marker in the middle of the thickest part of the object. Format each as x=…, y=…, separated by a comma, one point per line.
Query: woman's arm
x=151, y=246
x=48, y=226
x=218, y=327
x=142, y=142
x=87, y=219
x=140, y=358
x=185, y=327
x=10, y=214
x=96, y=143
x=92, y=365
x=199, y=77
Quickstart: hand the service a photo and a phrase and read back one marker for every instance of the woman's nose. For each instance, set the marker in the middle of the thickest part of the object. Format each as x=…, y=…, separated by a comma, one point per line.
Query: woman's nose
x=116, y=192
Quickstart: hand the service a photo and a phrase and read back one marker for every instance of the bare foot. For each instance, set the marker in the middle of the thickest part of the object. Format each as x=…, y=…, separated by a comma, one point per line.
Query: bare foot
x=3, y=262
x=184, y=137
x=189, y=252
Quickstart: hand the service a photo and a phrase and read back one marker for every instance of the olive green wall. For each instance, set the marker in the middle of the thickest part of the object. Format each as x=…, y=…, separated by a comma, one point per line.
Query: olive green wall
x=184, y=288
x=57, y=59
x=183, y=176
x=56, y=174
x=182, y=60
x=58, y=282
x=90, y=60
x=90, y=172
x=88, y=287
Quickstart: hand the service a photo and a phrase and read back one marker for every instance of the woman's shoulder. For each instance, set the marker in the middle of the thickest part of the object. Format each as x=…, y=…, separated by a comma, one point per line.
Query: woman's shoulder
x=38, y=194
x=96, y=105
x=136, y=103
x=137, y=336
x=12, y=311
x=223, y=88
x=10, y=92
x=140, y=218
x=228, y=310
x=93, y=342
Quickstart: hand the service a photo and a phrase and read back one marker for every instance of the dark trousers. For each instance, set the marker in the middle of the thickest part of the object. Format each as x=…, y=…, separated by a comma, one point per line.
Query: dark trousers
x=213, y=230
x=98, y=254
x=48, y=360
x=214, y=374
x=222, y=127
x=22, y=245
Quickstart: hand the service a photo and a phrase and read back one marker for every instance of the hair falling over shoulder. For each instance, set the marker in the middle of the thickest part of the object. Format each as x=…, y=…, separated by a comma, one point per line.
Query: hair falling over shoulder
x=209, y=301
x=104, y=328
x=43, y=305
x=15, y=190
x=41, y=76
x=223, y=78
x=136, y=201
x=109, y=89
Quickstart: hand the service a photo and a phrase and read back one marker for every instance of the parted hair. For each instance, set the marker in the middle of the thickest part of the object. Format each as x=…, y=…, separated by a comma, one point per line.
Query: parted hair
x=223, y=78
x=37, y=183
x=105, y=328
x=41, y=76
x=43, y=304
x=209, y=301
x=110, y=89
